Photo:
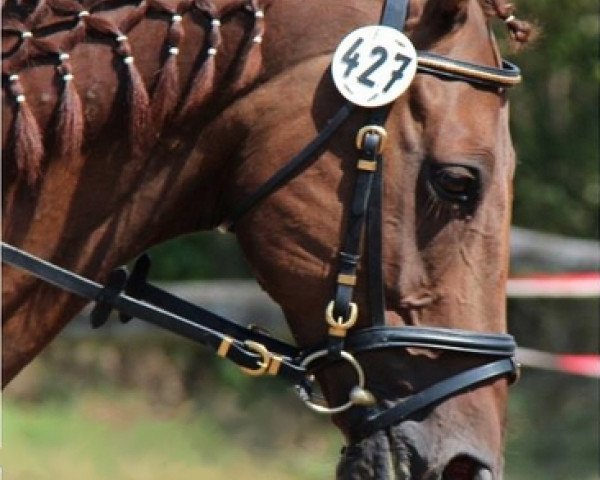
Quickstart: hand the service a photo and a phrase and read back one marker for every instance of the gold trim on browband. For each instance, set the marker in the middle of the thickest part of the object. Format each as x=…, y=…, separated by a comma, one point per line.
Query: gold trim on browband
x=450, y=67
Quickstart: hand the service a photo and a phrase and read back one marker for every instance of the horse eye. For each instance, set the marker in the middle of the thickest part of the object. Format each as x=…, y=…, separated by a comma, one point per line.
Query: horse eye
x=454, y=183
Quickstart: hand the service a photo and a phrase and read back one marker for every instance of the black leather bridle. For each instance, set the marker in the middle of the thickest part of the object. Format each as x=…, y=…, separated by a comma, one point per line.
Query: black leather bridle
x=260, y=354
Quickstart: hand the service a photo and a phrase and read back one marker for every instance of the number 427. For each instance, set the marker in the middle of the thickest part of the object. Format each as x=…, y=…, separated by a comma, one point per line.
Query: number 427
x=351, y=59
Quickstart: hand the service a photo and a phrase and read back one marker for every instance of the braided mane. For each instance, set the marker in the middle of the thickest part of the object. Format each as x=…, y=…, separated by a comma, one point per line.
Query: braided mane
x=520, y=31
x=44, y=32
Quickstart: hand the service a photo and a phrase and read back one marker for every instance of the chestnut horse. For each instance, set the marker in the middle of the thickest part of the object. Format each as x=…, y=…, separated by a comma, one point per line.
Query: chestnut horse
x=127, y=123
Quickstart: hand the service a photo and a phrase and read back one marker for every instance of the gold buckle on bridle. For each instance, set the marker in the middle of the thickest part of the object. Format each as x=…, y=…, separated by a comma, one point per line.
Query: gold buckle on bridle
x=373, y=129
x=339, y=327
x=268, y=364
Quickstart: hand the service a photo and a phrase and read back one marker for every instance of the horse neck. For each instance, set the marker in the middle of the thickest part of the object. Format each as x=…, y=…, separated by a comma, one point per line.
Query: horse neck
x=112, y=144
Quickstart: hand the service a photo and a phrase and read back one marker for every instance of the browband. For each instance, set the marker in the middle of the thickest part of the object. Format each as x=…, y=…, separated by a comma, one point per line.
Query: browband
x=507, y=76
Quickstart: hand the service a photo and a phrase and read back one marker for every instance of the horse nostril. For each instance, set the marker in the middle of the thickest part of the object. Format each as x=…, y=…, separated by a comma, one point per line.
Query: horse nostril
x=464, y=467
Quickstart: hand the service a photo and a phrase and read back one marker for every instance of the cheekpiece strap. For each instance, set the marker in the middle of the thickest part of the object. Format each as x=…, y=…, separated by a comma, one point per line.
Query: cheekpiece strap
x=370, y=143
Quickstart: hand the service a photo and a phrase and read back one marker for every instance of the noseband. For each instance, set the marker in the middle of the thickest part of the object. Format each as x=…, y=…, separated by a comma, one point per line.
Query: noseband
x=260, y=354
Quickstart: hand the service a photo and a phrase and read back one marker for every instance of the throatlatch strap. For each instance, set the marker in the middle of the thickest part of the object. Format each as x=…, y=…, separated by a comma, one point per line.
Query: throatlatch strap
x=292, y=168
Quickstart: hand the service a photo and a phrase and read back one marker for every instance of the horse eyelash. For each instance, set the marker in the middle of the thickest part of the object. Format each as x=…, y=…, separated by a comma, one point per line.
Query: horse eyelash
x=436, y=207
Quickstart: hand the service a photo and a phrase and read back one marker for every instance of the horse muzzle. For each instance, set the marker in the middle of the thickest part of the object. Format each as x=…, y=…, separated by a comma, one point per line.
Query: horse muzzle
x=411, y=451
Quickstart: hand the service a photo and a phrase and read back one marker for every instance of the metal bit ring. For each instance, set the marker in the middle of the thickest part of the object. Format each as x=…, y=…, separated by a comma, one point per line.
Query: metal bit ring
x=308, y=400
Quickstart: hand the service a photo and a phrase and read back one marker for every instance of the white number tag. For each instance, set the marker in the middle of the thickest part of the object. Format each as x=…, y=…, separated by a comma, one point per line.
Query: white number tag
x=374, y=65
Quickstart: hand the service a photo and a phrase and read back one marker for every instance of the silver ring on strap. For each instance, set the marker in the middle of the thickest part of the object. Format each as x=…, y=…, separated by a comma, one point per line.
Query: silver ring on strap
x=308, y=399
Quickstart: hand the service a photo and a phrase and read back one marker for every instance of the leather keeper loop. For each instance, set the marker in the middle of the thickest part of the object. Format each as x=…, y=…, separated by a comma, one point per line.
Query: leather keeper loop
x=337, y=332
x=224, y=347
x=345, y=279
x=367, y=165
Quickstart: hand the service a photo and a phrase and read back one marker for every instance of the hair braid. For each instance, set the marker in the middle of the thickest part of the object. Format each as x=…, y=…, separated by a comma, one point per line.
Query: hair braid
x=520, y=31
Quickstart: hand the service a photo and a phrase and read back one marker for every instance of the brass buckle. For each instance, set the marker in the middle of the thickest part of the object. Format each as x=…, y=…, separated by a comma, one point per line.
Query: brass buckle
x=375, y=129
x=269, y=363
x=339, y=327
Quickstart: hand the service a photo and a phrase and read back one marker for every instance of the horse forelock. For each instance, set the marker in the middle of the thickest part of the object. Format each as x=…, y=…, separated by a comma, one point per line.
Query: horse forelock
x=521, y=32
x=46, y=32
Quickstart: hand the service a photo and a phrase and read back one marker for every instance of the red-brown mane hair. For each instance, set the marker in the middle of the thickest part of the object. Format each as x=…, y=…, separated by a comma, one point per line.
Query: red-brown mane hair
x=30, y=39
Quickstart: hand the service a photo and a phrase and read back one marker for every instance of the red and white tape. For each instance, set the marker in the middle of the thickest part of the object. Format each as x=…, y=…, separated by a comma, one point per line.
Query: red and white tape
x=586, y=365
x=569, y=285
x=576, y=285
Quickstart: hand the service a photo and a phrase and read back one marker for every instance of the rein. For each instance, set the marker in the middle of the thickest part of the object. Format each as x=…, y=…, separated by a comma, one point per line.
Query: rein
x=259, y=354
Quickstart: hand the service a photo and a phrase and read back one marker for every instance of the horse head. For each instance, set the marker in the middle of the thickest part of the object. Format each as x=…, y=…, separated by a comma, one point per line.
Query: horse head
x=447, y=179
x=128, y=169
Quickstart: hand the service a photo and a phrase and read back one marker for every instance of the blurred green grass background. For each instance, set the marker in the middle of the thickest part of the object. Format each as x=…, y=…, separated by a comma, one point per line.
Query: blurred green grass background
x=115, y=435
x=156, y=409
